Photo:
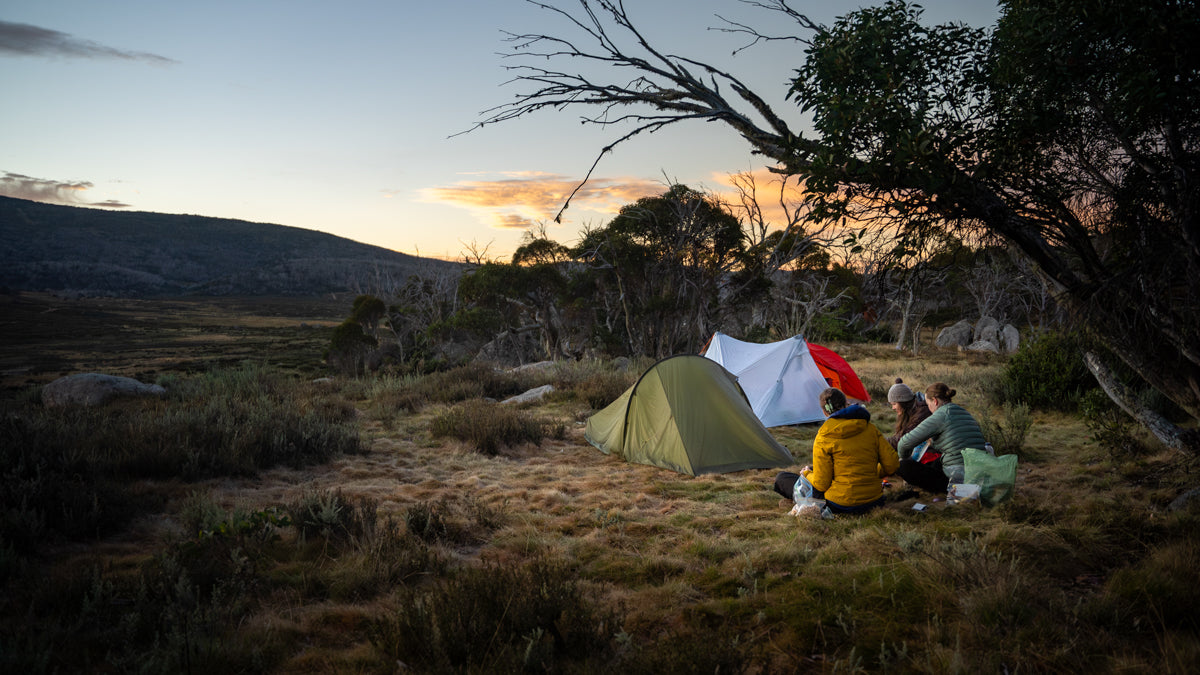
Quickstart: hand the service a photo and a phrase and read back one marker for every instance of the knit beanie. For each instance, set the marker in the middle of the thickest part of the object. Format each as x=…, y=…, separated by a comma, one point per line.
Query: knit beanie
x=900, y=393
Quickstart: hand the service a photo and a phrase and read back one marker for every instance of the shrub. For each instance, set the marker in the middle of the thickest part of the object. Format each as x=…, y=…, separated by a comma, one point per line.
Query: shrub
x=599, y=391
x=488, y=426
x=1047, y=373
x=67, y=473
x=533, y=618
x=330, y=516
x=349, y=347
x=1111, y=428
x=1008, y=436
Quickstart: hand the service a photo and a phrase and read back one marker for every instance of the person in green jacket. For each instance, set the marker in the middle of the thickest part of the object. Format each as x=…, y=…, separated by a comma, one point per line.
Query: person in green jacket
x=850, y=456
x=951, y=428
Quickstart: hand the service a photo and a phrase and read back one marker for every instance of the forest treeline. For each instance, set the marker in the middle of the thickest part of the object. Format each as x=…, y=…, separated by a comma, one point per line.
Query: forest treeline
x=668, y=271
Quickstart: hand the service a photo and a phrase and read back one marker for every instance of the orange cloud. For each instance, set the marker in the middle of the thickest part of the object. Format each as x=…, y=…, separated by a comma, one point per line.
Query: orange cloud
x=521, y=199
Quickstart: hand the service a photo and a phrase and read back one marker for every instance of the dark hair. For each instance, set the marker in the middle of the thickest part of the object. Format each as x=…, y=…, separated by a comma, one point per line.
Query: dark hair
x=832, y=400
x=904, y=417
x=940, y=391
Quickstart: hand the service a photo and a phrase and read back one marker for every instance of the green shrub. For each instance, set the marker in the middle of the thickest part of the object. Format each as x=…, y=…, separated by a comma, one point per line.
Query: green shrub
x=1111, y=427
x=1008, y=436
x=1047, y=373
x=331, y=516
x=349, y=347
x=488, y=426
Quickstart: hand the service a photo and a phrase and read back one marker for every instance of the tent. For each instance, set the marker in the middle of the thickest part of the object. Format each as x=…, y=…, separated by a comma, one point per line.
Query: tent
x=838, y=373
x=783, y=379
x=686, y=413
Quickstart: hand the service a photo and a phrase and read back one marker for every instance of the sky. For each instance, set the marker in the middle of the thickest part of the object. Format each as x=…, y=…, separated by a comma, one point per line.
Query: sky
x=348, y=117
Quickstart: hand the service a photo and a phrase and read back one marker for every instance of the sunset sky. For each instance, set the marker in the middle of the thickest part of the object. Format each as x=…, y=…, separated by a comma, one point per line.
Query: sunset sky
x=345, y=117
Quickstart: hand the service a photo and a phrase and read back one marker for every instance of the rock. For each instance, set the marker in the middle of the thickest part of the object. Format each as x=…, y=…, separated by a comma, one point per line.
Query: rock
x=511, y=349
x=983, y=346
x=529, y=367
x=958, y=335
x=92, y=389
x=1010, y=338
x=1182, y=500
x=986, y=329
x=535, y=394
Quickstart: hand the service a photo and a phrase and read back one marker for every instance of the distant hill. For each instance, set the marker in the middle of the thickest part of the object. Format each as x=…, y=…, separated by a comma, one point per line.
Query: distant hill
x=83, y=251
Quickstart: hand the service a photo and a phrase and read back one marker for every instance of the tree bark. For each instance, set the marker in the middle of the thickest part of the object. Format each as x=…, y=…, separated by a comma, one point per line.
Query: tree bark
x=1171, y=435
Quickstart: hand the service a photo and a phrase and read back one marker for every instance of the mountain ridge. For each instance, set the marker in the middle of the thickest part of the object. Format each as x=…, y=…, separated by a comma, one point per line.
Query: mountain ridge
x=94, y=252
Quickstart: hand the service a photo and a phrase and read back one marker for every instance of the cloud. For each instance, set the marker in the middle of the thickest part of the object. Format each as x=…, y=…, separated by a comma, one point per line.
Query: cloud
x=22, y=39
x=51, y=191
x=522, y=199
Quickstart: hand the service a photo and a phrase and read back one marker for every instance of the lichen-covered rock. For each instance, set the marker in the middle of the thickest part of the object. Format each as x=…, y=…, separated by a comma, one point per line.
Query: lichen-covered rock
x=1010, y=338
x=958, y=335
x=92, y=389
x=535, y=394
x=986, y=328
x=983, y=346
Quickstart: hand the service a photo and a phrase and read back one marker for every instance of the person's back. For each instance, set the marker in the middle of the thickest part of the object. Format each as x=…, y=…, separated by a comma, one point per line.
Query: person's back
x=850, y=456
x=951, y=429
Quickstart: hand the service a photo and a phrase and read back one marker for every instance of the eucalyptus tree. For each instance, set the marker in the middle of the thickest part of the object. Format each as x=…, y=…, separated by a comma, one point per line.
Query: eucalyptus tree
x=1070, y=132
x=661, y=263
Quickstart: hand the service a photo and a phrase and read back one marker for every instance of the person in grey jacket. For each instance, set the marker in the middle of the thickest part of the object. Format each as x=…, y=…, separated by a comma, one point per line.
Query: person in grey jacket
x=951, y=428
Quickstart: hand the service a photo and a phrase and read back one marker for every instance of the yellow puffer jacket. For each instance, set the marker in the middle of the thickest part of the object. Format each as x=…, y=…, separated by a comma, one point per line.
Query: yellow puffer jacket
x=850, y=456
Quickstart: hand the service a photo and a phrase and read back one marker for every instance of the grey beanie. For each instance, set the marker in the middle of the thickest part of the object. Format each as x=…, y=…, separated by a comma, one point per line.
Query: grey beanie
x=900, y=393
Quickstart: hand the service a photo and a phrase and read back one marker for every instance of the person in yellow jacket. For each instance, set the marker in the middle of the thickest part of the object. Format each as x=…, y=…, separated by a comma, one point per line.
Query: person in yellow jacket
x=850, y=457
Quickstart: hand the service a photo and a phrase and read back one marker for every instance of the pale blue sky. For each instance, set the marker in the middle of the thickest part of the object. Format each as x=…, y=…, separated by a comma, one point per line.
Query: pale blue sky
x=340, y=116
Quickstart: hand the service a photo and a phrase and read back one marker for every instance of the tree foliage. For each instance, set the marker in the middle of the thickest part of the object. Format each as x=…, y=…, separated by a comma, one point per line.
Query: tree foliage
x=1069, y=133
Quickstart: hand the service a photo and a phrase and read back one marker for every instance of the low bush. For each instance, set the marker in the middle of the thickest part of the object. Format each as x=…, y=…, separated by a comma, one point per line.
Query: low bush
x=1047, y=373
x=66, y=473
x=1007, y=436
x=488, y=426
x=1111, y=427
x=532, y=618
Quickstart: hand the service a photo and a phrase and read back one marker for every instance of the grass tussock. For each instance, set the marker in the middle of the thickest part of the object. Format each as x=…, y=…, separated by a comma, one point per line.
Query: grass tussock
x=488, y=426
x=536, y=617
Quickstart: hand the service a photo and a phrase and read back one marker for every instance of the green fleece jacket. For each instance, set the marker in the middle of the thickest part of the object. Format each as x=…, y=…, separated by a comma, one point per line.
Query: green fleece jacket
x=952, y=428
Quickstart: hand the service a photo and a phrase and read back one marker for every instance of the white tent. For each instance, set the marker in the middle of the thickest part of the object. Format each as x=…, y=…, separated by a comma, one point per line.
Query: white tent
x=781, y=379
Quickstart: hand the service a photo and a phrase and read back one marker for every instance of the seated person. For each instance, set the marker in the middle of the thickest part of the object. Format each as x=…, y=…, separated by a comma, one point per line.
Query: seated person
x=910, y=411
x=850, y=456
x=951, y=428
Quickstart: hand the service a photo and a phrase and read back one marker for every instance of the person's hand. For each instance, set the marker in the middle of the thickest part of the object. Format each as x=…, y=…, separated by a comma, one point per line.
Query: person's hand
x=807, y=468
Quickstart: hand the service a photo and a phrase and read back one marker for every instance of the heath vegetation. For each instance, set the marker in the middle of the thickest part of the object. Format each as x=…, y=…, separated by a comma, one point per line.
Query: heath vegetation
x=256, y=521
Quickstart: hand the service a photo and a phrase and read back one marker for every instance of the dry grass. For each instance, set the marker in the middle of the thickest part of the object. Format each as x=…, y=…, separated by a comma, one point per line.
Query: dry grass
x=1086, y=569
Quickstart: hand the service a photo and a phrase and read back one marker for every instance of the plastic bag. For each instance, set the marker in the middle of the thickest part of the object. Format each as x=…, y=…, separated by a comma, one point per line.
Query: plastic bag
x=995, y=476
x=962, y=493
x=807, y=507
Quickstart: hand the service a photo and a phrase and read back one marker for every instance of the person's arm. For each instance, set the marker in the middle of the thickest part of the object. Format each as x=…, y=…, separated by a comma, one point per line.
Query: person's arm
x=889, y=460
x=821, y=475
x=923, y=432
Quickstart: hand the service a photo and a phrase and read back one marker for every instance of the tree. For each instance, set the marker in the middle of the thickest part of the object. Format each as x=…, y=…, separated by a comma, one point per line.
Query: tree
x=1069, y=132
x=664, y=257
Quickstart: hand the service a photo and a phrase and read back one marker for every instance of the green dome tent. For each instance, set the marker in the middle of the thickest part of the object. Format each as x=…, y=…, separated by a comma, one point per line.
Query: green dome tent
x=686, y=413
